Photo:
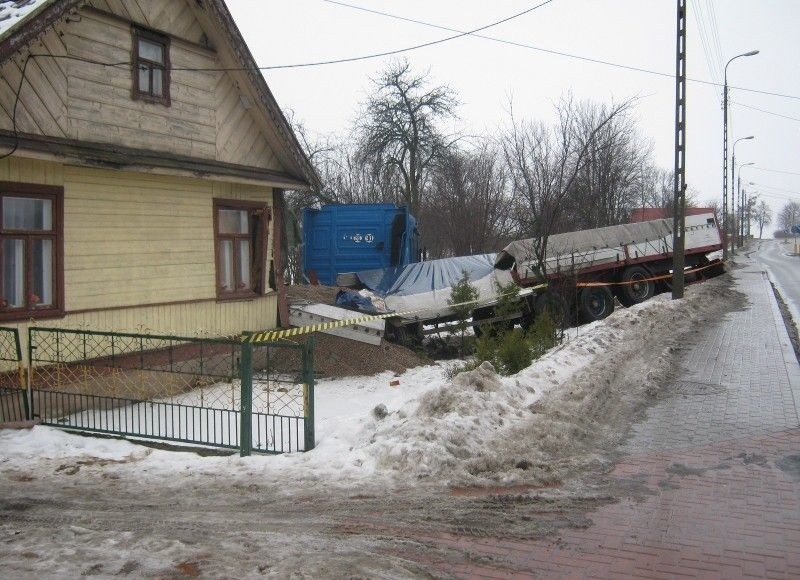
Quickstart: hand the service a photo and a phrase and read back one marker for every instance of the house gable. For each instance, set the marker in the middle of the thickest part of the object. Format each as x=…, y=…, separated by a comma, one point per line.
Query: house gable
x=217, y=116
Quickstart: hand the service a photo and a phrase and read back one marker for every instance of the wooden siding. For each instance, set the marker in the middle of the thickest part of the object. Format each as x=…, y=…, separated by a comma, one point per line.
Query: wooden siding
x=134, y=241
x=210, y=117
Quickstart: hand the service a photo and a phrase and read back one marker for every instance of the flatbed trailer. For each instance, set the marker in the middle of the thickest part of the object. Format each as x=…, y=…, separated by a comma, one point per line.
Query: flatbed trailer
x=585, y=270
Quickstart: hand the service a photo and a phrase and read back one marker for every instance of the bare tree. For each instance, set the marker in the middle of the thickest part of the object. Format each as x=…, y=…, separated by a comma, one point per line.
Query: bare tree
x=789, y=216
x=608, y=184
x=544, y=163
x=399, y=133
x=468, y=209
x=762, y=215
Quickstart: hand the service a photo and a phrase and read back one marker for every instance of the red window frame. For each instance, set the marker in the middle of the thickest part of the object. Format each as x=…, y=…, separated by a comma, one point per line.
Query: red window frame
x=259, y=217
x=30, y=309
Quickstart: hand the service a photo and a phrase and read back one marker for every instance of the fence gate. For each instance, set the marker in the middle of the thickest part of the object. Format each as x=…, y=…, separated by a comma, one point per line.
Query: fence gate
x=210, y=392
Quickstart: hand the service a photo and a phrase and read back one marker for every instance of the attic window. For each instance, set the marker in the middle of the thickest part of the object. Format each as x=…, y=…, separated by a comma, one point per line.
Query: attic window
x=150, y=66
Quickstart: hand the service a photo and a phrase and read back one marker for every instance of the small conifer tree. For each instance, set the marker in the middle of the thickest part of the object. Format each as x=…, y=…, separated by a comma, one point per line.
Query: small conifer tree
x=462, y=300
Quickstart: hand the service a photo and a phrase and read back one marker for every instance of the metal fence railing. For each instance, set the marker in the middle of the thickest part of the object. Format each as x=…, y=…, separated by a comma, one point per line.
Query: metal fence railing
x=13, y=399
x=211, y=392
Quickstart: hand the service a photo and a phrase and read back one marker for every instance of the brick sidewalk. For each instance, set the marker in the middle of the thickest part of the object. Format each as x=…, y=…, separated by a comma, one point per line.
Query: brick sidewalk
x=721, y=461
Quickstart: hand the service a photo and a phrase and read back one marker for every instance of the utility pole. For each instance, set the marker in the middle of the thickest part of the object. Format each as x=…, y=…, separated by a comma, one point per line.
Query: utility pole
x=734, y=229
x=678, y=221
x=743, y=213
x=734, y=226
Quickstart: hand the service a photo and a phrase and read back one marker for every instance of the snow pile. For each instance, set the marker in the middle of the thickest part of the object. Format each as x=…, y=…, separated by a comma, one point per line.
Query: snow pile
x=553, y=418
x=537, y=427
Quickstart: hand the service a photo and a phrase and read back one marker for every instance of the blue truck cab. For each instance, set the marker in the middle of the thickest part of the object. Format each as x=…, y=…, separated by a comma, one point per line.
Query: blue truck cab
x=345, y=238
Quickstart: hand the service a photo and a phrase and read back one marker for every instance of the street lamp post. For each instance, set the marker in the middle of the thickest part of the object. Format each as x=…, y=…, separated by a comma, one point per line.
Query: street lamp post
x=744, y=209
x=726, y=227
x=733, y=230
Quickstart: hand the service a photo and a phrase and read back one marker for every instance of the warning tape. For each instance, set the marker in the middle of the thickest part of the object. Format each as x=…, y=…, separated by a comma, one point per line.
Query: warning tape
x=273, y=335
x=651, y=279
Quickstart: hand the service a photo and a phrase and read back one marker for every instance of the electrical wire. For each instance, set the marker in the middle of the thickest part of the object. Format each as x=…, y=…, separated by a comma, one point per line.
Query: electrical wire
x=554, y=52
x=765, y=111
x=386, y=53
x=702, y=27
x=774, y=170
x=17, y=93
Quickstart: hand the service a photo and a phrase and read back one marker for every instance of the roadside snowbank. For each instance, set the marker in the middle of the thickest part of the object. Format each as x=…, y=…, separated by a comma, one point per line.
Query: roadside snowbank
x=534, y=427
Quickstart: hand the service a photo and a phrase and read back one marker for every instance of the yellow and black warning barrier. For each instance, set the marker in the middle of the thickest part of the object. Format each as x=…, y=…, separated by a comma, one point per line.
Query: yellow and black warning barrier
x=271, y=335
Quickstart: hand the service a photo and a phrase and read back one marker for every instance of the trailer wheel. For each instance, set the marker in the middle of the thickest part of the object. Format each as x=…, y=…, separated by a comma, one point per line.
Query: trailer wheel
x=595, y=303
x=636, y=286
x=554, y=305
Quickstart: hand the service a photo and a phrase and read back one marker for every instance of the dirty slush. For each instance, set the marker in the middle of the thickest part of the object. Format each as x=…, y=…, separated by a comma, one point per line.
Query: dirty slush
x=474, y=460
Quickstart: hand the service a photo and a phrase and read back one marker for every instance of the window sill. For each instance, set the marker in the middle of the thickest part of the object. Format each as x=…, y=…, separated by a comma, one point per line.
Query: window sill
x=222, y=298
x=152, y=100
x=23, y=316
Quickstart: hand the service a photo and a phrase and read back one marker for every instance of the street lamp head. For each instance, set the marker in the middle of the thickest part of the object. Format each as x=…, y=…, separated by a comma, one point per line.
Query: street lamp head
x=750, y=137
x=751, y=53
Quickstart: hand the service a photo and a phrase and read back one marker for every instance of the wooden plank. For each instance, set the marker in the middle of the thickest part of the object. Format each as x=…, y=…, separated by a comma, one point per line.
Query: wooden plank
x=106, y=94
x=114, y=6
x=246, y=140
x=29, y=109
x=185, y=25
x=242, y=125
x=54, y=108
x=138, y=12
x=229, y=112
x=165, y=127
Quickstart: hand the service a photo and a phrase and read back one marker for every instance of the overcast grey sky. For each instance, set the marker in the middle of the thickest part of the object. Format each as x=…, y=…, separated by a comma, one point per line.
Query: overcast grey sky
x=485, y=73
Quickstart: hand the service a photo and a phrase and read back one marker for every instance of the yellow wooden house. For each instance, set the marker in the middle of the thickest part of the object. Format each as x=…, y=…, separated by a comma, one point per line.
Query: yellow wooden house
x=142, y=164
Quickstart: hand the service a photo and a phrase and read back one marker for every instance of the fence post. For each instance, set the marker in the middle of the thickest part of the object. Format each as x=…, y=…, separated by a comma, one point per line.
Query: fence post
x=29, y=410
x=246, y=402
x=308, y=396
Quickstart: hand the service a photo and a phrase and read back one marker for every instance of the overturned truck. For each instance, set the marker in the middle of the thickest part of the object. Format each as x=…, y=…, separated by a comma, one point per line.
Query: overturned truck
x=575, y=276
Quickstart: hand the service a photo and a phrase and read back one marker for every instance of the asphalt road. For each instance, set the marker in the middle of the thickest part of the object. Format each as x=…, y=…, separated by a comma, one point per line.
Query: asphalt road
x=784, y=270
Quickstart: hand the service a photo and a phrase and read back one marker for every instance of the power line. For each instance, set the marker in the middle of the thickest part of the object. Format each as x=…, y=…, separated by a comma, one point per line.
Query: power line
x=775, y=170
x=550, y=51
x=765, y=111
x=705, y=39
x=388, y=52
x=775, y=189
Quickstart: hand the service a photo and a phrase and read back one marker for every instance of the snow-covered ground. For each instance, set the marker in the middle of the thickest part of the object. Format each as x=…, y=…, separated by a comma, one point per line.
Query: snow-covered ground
x=75, y=505
x=427, y=428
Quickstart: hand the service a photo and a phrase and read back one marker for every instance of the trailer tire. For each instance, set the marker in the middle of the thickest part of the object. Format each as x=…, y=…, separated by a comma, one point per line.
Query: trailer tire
x=636, y=286
x=554, y=305
x=595, y=303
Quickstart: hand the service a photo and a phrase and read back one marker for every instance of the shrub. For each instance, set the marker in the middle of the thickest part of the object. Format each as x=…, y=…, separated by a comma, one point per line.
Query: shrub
x=543, y=335
x=514, y=352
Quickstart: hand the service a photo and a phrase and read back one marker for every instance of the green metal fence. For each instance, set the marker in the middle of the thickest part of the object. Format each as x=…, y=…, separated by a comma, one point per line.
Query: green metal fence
x=13, y=396
x=210, y=392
